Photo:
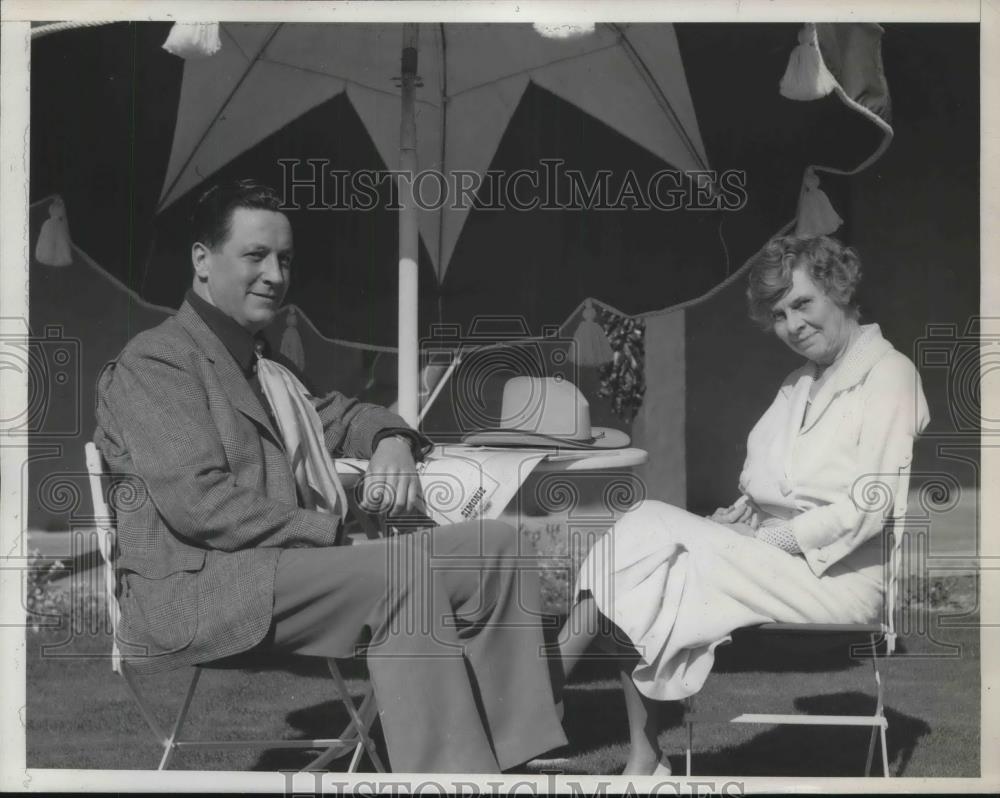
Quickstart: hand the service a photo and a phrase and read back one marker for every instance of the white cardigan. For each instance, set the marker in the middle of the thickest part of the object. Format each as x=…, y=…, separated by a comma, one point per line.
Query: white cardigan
x=838, y=467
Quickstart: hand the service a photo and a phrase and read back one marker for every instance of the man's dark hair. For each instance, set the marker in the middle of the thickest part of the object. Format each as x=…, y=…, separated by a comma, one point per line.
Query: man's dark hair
x=213, y=213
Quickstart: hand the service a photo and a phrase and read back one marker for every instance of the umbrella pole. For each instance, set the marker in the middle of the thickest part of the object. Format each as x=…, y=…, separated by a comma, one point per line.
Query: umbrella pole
x=409, y=367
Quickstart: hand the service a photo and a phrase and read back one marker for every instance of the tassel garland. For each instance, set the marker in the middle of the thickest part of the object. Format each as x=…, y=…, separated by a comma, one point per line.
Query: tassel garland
x=816, y=214
x=592, y=346
x=806, y=77
x=193, y=39
x=53, y=247
x=623, y=380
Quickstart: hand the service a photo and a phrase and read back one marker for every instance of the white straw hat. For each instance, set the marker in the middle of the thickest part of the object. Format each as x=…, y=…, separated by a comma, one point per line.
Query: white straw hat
x=547, y=412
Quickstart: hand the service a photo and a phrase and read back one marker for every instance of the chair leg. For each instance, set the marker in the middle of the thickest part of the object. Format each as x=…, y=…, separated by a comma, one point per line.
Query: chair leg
x=880, y=729
x=885, y=755
x=883, y=728
x=352, y=710
x=334, y=752
x=871, y=751
x=356, y=758
x=337, y=751
x=687, y=756
x=147, y=713
x=169, y=745
x=366, y=712
x=689, y=710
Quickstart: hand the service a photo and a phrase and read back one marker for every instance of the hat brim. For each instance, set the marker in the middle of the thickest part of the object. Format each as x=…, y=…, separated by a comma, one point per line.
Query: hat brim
x=604, y=438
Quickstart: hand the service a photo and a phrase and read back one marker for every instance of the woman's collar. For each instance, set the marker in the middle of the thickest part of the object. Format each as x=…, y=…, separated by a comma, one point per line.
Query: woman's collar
x=849, y=370
x=853, y=366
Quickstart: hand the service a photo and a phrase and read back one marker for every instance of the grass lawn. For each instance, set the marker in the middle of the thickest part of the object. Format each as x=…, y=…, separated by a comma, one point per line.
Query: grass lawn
x=932, y=704
x=79, y=714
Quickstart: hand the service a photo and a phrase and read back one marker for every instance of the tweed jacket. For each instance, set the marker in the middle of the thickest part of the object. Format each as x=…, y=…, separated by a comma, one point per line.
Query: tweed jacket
x=206, y=500
x=837, y=467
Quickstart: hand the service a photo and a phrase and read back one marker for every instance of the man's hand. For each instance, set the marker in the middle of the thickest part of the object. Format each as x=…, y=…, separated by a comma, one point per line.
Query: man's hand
x=742, y=511
x=391, y=483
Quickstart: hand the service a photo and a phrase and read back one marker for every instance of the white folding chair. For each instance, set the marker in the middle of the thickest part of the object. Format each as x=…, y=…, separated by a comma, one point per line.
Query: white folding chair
x=872, y=634
x=355, y=738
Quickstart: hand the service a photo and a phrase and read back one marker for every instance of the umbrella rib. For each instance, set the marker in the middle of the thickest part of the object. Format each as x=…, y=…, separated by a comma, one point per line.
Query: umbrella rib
x=529, y=70
x=346, y=81
x=466, y=90
x=233, y=39
x=657, y=92
x=476, y=87
x=257, y=57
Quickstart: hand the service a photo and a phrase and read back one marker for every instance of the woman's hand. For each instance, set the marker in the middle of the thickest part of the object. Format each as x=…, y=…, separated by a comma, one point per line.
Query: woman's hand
x=391, y=482
x=743, y=529
x=742, y=511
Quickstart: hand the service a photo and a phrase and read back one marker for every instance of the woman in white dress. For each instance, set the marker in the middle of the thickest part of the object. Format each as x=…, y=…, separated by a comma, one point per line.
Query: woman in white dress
x=827, y=464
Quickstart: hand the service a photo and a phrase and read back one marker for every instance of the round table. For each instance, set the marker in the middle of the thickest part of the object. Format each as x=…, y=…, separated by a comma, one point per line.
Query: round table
x=556, y=459
x=553, y=461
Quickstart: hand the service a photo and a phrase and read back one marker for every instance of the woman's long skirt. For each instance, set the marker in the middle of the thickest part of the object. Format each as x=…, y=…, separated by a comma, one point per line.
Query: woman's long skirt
x=678, y=584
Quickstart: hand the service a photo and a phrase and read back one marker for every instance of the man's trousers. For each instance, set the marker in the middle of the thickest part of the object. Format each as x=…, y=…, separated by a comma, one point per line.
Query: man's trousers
x=449, y=623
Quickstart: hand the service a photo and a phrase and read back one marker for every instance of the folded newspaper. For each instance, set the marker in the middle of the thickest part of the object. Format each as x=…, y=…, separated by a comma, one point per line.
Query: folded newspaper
x=460, y=484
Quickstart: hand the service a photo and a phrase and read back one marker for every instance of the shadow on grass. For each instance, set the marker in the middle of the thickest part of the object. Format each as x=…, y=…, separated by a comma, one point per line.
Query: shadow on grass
x=812, y=750
x=806, y=751
x=773, y=652
x=321, y=720
x=263, y=660
x=595, y=713
x=595, y=718
x=596, y=722
x=327, y=719
x=795, y=652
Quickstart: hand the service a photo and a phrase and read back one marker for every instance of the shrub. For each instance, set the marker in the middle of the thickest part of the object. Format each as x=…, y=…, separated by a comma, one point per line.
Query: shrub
x=559, y=561
x=954, y=591
x=56, y=596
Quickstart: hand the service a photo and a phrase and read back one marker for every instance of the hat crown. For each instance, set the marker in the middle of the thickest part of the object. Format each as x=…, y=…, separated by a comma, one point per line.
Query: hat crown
x=548, y=412
x=548, y=406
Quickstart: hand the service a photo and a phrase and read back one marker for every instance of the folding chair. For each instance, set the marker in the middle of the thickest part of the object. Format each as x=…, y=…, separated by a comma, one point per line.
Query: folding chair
x=869, y=636
x=355, y=738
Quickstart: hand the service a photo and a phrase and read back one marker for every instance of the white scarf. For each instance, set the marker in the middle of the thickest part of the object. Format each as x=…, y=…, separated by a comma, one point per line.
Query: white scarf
x=298, y=423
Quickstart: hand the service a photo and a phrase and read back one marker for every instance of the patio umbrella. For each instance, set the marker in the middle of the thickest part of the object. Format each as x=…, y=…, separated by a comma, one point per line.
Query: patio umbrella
x=432, y=97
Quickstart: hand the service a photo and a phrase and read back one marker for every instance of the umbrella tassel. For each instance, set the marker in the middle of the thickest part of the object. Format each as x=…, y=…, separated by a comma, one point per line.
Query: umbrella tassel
x=193, y=39
x=816, y=213
x=806, y=77
x=592, y=345
x=54, y=247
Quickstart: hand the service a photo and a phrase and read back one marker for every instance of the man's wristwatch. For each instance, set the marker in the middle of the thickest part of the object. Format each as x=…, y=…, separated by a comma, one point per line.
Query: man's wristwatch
x=398, y=436
x=419, y=444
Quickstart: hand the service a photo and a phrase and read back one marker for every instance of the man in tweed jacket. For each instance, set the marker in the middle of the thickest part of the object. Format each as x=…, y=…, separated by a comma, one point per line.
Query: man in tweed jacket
x=217, y=557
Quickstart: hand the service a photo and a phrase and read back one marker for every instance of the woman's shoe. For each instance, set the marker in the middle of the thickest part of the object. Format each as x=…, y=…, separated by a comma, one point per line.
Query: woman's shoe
x=662, y=769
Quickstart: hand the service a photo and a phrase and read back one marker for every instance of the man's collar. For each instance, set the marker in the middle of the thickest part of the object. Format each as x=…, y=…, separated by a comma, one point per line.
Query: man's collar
x=240, y=343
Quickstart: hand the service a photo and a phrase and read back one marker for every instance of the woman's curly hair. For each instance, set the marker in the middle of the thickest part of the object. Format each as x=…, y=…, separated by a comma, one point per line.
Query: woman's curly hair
x=833, y=267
